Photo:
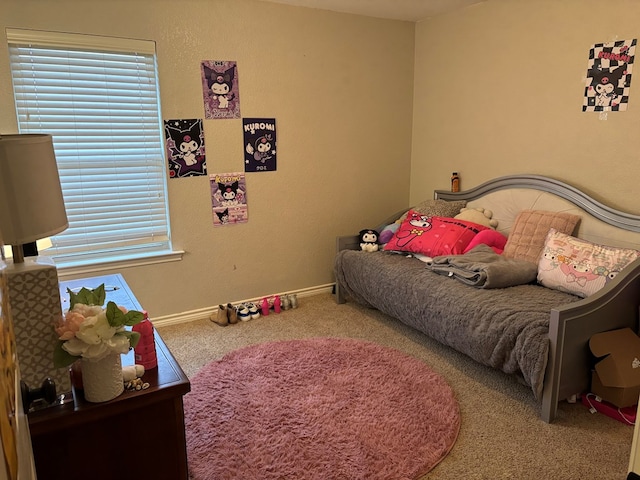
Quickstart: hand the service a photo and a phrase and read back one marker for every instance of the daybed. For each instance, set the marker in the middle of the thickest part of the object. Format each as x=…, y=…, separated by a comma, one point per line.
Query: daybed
x=538, y=334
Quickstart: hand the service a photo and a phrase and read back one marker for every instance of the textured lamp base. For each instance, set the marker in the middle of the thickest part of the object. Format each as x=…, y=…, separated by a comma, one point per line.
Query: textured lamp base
x=34, y=307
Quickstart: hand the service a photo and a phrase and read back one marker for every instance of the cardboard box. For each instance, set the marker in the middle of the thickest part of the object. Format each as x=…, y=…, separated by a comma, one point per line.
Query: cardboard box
x=616, y=377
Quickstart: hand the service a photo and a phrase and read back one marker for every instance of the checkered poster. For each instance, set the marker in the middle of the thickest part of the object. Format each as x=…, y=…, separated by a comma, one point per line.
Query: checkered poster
x=609, y=76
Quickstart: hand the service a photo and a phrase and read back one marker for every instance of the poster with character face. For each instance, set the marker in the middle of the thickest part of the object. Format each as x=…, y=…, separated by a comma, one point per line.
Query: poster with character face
x=184, y=142
x=609, y=76
x=228, y=198
x=259, y=144
x=220, y=89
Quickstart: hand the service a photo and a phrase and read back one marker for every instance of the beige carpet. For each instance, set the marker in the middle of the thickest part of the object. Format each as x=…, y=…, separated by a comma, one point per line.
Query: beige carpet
x=501, y=436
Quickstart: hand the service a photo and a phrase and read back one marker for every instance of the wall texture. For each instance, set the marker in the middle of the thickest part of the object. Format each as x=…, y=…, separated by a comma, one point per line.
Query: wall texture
x=341, y=89
x=498, y=90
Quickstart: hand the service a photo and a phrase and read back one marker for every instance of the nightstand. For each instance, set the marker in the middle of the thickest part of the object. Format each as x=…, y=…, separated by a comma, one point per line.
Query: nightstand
x=138, y=435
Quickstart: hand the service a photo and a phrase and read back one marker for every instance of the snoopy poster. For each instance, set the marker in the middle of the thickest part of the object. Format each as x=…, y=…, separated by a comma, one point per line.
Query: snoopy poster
x=609, y=76
x=259, y=144
x=228, y=198
x=220, y=89
x=184, y=142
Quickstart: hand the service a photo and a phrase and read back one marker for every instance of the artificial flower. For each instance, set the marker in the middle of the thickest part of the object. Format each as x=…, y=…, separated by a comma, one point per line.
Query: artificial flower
x=92, y=332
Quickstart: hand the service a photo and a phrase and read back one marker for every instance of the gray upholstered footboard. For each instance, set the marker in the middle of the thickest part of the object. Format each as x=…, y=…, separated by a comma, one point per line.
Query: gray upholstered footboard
x=613, y=307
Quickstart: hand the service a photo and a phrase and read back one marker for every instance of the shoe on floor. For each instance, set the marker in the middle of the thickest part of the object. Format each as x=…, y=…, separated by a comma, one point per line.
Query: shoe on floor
x=232, y=314
x=243, y=313
x=253, y=310
x=285, y=302
x=220, y=317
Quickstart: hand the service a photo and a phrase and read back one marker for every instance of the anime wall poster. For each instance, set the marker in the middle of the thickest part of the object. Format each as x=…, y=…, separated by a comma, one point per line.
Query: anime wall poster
x=184, y=142
x=220, y=89
x=259, y=144
x=609, y=76
x=228, y=198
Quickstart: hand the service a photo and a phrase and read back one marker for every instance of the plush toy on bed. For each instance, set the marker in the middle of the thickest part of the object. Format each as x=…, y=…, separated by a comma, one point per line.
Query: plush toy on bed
x=481, y=216
x=369, y=240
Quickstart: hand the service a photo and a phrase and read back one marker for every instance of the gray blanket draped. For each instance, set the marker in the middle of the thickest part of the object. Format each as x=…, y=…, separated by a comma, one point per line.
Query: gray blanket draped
x=483, y=268
x=504, y=328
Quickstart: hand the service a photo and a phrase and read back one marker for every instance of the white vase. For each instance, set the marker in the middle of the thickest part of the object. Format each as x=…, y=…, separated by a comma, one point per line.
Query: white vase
x=102, y=380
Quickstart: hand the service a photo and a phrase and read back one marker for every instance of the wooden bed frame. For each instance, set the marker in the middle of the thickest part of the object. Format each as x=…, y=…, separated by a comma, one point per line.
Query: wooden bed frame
x=568, y=370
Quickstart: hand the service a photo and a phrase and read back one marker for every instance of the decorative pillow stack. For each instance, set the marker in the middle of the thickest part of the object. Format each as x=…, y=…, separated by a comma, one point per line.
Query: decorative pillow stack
x=580, y=267
x=433, y=236
x=530, y=229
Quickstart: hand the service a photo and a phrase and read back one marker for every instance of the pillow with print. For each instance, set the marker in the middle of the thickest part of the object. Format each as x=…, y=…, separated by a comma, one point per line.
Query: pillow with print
x=433, y=236
x=573, y=265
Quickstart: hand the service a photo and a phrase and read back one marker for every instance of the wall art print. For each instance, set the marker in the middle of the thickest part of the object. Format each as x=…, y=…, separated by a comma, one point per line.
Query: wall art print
x=184, y=142
x=259, y=144
x=228, y=198
x=220, y=89
x=609, y=76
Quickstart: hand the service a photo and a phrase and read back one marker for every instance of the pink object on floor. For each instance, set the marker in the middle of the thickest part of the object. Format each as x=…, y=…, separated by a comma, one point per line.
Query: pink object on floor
x=626, y=415
x=276, y=304
x=265, y=306
x=319, y=408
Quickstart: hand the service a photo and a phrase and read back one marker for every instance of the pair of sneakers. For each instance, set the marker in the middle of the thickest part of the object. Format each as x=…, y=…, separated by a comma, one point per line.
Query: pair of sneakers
x=247, y=311
x=226, y=314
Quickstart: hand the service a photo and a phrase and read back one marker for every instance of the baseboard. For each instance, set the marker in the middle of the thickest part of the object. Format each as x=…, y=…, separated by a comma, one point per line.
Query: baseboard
x=202, y=313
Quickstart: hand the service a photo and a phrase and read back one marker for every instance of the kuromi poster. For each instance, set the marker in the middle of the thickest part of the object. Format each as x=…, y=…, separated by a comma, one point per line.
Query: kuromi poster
x=228, y=198
x=259, y=144
x=220, y=89
x=609, y=76
x=184, y=142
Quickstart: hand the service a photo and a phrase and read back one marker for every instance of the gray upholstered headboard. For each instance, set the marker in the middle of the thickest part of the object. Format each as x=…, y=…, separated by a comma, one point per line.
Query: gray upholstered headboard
x=507, y=196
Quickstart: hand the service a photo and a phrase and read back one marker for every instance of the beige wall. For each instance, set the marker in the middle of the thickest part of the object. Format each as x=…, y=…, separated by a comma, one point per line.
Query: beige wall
x=341, y=90
x=498, y=90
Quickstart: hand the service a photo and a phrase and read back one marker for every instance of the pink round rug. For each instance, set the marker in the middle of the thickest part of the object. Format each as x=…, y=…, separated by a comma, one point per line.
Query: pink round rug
x=334, y=408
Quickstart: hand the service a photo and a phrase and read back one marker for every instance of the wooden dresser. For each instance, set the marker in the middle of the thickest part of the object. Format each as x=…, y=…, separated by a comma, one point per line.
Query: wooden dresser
x=138, y=435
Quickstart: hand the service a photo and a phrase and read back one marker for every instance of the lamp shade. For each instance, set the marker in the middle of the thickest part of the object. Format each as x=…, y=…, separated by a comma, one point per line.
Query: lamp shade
x=31, y=202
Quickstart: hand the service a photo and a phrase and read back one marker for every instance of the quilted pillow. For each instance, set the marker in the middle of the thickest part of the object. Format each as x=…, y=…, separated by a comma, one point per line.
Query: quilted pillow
x=432, y=236
x=529, y=232
x=580, y=267
x=437, y=208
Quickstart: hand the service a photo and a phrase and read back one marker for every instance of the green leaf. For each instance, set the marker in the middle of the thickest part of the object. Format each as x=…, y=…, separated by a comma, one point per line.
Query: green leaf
x=134, y=337
x=118, y=319
x=62, y=358
x=133, y=317
x=85, y=296
x=115, y=317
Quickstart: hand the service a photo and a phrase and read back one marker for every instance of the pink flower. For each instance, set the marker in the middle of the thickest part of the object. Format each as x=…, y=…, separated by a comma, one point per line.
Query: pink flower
x=67, y=328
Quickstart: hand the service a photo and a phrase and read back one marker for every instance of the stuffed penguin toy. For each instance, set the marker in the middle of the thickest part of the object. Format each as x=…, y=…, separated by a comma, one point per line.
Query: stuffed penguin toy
x=369, y=240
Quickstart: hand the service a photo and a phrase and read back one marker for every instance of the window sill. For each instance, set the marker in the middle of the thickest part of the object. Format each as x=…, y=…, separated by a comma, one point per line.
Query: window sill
x=103, y=265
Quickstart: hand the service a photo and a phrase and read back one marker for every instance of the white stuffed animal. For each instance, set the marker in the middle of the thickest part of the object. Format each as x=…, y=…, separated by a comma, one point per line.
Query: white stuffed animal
x=481, y=216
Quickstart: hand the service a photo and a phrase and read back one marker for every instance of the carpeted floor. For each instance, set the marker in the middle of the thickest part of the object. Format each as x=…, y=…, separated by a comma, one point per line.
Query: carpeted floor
x=501, y=434
x=318, y=408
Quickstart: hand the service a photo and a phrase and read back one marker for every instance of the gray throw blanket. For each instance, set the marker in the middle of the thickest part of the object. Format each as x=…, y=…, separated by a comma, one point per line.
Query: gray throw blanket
x=481, y=267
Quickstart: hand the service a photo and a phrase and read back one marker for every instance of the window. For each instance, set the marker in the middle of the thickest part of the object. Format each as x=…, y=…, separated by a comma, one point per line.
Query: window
x=98, y=97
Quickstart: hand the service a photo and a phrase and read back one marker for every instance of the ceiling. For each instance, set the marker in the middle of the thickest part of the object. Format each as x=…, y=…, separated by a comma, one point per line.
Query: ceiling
x=410, y=10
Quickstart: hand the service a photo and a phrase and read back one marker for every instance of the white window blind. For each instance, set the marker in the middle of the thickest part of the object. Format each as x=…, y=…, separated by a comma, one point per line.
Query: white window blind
x=98, y=98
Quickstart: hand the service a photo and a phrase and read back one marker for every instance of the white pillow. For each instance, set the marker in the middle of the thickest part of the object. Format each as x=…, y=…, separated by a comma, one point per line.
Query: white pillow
x=580, y=267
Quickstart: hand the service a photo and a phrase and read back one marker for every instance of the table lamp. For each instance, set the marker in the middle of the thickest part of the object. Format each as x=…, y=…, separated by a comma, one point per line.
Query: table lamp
x=32, y=208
